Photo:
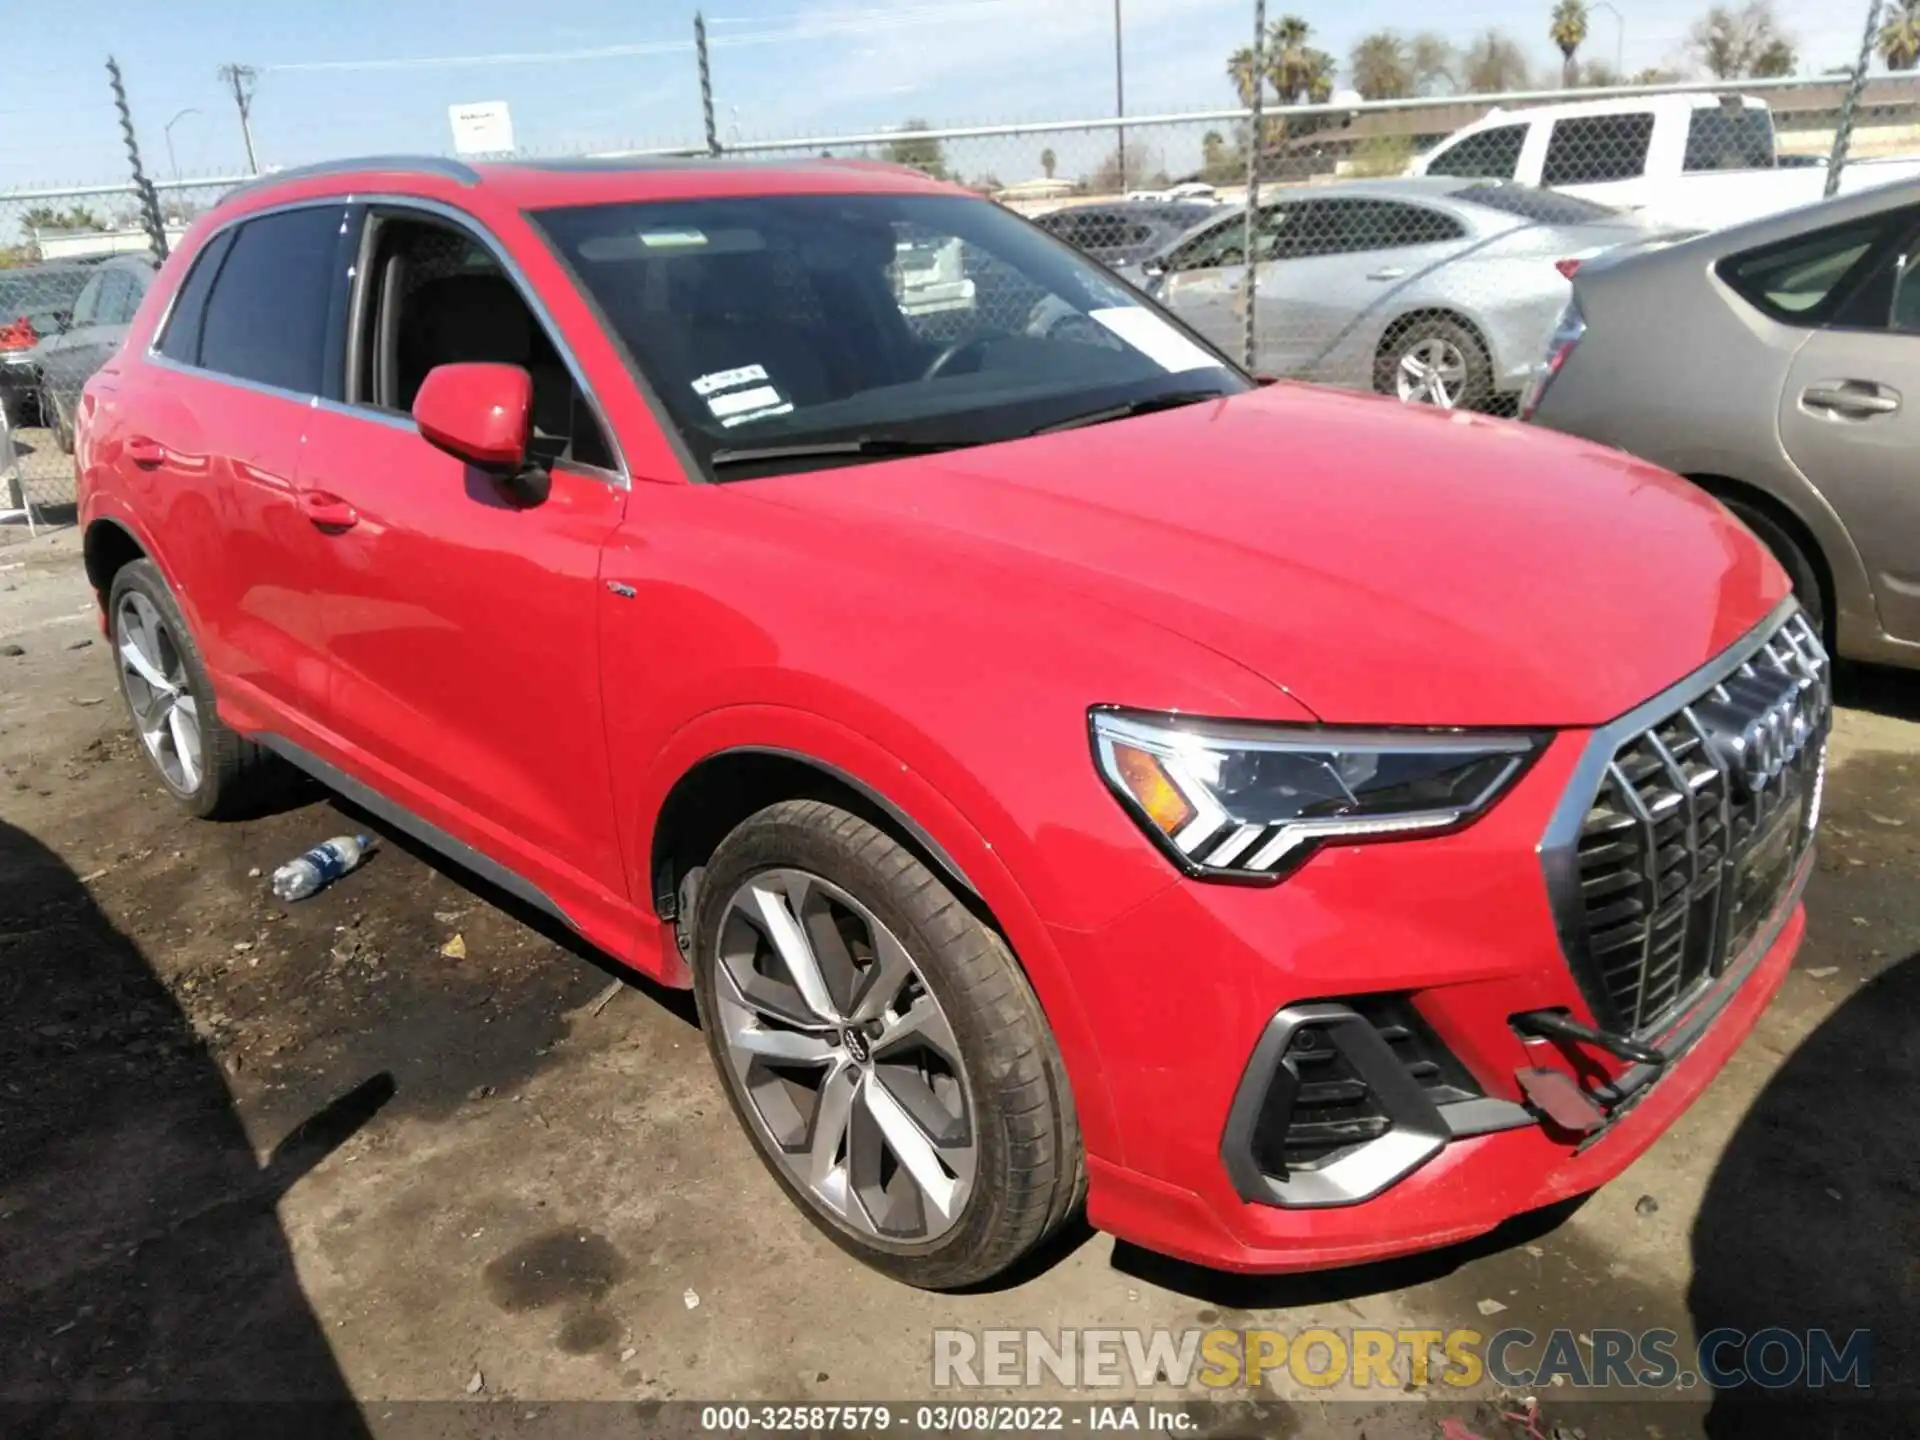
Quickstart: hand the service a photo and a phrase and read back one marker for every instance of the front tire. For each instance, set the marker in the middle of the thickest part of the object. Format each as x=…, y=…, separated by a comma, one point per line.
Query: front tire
x=1435, y=360
x=208, y=768
x=882, y=1048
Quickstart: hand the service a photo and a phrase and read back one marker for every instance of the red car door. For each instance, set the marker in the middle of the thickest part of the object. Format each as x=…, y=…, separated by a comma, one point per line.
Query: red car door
x=460, y=622
x=206, y=433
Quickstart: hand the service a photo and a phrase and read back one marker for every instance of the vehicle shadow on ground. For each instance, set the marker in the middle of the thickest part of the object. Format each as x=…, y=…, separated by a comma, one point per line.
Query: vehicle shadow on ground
x=1880, y=688
x=141, y=1257
x=1829, y=1155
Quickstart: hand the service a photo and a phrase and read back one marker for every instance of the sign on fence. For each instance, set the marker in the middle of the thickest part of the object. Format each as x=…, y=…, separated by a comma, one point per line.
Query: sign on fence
x=482, y=127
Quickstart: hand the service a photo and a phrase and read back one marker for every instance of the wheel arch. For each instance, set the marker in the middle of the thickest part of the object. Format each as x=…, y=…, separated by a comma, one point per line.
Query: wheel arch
x=1727, y=489
x=108, y=547
x=723, y=789
x=735, y=761
x=1406, y=320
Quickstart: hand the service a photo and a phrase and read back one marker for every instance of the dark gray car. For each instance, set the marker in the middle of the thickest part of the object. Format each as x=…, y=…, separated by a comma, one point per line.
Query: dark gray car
x=1123, y=233
x=35, y=303
x=97, y=325
x=1776, y=364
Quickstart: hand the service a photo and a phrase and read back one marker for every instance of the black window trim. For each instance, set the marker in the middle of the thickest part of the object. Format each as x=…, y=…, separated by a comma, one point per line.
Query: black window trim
x=344, y=307
x=369, y=210
x=1846, y=290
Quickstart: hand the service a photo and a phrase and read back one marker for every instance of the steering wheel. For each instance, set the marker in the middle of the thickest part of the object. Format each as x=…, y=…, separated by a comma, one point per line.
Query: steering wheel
x=937, y=366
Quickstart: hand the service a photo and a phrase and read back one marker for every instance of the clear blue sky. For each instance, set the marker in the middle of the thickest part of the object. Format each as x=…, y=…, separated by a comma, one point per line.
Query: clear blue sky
x=781, y=67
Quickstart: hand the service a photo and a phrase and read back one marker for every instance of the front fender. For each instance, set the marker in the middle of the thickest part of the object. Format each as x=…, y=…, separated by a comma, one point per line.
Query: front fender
x=921, y=792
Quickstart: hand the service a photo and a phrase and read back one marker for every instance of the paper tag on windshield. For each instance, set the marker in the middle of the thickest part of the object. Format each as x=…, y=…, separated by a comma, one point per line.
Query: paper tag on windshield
x=741, y=406
x=1154, y=338
x=727, y=379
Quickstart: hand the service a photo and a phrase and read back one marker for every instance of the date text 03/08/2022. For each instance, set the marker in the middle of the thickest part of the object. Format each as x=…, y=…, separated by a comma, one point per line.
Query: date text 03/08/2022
x=941, y=1419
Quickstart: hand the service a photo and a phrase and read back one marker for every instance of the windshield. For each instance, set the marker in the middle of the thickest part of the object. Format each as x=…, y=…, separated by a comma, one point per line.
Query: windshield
x=778, y=322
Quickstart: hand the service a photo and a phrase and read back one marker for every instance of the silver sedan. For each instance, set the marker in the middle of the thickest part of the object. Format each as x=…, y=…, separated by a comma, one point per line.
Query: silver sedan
x=1440, y=291
x=1775, y=364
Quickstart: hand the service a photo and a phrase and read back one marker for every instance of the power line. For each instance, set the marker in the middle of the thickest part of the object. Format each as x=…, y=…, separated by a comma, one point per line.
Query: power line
x=859, y=23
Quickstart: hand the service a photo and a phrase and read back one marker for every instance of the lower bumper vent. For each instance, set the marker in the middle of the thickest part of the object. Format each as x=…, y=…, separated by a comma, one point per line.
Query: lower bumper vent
x=1344, y=1098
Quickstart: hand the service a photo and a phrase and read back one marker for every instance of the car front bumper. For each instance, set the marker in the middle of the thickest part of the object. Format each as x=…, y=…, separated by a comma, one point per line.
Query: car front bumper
x=1422, y=1109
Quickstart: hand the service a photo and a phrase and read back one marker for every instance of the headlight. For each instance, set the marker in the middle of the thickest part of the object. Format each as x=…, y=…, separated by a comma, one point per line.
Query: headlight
x=1238, y=801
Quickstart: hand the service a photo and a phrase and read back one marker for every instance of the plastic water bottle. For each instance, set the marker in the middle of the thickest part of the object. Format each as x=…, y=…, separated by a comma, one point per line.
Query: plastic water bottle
x=319, y=867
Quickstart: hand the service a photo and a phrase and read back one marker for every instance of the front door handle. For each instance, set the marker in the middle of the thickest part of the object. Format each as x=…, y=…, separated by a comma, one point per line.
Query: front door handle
x=328, y=511
x=1390, y=272
x=1851, y=399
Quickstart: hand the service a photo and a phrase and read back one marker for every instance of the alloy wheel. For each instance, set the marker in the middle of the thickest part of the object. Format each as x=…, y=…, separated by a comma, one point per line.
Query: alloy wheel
x=847, y=1064
x=154, y=675
x=1432, y=372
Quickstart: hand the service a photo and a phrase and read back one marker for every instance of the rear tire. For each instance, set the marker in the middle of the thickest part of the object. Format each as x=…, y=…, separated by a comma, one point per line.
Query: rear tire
x=906, y=1093
x=207, y=767
x=1801, y=568
x=1435, y=360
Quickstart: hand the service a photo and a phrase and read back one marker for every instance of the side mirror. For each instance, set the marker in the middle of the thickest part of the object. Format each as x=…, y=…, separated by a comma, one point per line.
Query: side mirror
x=478, y=413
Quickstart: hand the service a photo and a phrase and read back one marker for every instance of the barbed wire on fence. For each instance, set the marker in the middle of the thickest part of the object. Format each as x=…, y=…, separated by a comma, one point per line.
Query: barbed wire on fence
x=1439, y=287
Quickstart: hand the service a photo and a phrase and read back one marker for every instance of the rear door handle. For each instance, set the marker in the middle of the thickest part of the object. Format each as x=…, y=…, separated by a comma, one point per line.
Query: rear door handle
x=328, y=511
x=1390, y=272
x=1851, y=399
x=146, y=453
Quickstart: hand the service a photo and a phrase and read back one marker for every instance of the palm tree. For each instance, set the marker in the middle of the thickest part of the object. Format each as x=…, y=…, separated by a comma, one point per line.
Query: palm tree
x=1240, y=71
x=1290, y=63
x=1382, y=69
x=1900, y=36
x=1569, y=32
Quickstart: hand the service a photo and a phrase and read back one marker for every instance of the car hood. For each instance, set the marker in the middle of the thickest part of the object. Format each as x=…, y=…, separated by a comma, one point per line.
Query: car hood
x=1382, y=564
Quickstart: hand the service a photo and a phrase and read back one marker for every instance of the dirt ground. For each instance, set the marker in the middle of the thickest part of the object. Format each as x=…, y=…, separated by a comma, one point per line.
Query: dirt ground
x=259, y=1151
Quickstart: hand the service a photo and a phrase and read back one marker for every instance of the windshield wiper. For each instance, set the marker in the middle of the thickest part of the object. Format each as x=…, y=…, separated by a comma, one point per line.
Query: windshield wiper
x=1171, y=400
x=817, y=449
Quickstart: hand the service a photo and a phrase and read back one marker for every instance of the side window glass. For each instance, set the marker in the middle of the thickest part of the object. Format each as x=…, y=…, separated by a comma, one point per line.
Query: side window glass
x=266, y=320
x=1594, y=149
x=1489, y=155
x=88, y=305
x=181, y=340
x=438, y=297
x=115, y=288
x=1800, y=281
x=131, y=294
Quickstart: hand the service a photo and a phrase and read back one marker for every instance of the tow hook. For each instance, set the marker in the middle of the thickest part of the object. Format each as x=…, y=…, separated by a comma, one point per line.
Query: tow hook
x=1556, y=1094
x=1557, y=1024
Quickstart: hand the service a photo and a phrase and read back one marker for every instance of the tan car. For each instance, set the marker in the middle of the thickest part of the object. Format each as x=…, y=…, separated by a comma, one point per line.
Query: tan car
x=1777, y=365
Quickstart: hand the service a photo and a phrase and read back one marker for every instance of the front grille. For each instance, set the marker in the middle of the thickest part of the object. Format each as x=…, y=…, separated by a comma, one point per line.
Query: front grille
x=1696, y=828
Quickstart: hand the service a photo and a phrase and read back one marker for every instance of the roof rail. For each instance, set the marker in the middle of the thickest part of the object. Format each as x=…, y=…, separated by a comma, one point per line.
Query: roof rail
x=456, y=170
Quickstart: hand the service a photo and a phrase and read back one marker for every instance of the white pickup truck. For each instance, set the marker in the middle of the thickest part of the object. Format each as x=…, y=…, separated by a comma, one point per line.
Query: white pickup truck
x=1697, y=161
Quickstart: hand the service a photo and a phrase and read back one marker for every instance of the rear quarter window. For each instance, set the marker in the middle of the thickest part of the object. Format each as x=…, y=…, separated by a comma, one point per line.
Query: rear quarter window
x=1802, y=281
x=180, y=340
x=266, y=315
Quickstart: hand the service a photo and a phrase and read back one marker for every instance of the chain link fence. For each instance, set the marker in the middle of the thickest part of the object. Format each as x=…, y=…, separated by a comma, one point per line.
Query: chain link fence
x=1421, y=248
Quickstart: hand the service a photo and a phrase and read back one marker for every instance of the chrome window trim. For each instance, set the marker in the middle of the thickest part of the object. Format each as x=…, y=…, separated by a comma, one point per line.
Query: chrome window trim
x=440, y=210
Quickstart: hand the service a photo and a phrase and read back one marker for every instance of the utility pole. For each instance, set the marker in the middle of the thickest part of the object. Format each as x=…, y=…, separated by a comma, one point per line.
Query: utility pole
x=1119, y=99
x=1251, y=222
x=240, y=79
